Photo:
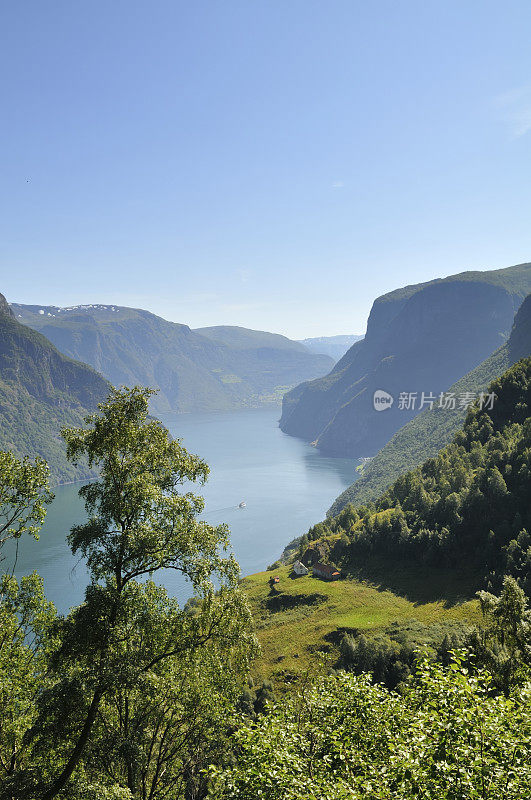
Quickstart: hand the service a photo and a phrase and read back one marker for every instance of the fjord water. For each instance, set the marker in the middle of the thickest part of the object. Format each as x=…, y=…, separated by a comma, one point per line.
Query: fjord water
x=286, y=485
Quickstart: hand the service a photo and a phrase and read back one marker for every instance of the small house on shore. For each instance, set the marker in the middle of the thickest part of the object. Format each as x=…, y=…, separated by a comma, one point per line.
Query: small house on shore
x=326, y=571
x=299, y=568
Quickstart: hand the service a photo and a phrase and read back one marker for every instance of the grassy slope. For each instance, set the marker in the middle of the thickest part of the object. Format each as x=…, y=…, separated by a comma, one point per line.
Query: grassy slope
x=289, y=638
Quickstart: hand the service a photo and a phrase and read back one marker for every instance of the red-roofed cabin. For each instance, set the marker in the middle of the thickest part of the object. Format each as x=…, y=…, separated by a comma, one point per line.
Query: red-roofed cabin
x=326, y=571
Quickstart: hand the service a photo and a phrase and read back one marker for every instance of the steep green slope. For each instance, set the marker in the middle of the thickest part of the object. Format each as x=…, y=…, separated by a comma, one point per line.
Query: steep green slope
x=40, y=391
x=430, y=431
x=333, y=346
x=216, y=369
x=466, y=509
x=419, y=338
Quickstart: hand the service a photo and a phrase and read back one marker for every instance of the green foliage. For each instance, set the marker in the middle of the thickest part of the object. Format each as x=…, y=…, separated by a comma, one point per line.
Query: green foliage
x=24, y=494
x=445, y=737
x=40, y=391
x=155, y=679
x=466, y=508
x=26, y=620
x=256, y=700
x=390, y=656
x=129, y=695
x=503, y=643
x=25, y=616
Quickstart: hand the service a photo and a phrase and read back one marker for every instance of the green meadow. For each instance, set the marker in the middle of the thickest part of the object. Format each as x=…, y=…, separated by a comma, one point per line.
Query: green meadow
x=301, y=616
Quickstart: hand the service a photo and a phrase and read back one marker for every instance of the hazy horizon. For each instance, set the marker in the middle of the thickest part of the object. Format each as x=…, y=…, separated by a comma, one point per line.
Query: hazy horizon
x=231, y=324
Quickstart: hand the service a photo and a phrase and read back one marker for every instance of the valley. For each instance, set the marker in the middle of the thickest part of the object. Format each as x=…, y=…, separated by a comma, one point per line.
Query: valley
x=209, y=369
x=265, y=401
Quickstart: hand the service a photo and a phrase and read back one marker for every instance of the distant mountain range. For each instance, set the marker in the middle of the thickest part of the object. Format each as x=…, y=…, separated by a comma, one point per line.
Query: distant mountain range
x=433, y=429
x=420, y=338
x=210, y=369
x=41, y=390
x=333, y=346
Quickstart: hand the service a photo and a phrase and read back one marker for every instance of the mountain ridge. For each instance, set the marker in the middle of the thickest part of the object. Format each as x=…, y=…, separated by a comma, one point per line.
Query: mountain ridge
x=192, y=370
x=333, y=346
x=430, y=431
x=422, y=337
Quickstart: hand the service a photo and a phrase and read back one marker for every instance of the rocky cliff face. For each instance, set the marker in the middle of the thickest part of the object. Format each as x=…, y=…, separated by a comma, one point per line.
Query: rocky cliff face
x=519, y=344
x=4, y=307
x=419, y=339
x=422, y=437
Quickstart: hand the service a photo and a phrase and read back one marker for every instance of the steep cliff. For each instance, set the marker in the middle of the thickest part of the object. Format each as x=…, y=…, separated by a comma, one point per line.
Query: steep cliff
x=419, y=339
x=433, y=429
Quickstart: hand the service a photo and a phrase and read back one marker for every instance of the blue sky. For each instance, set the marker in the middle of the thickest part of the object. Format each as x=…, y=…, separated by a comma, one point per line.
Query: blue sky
x=276, y=165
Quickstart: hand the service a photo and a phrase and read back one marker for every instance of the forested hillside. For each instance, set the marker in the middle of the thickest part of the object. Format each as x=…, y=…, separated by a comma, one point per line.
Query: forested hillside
x=467, y=509
x=420, y=338
x=431, y=430
x=41, y=390
x=131, y=696
x=210, y=369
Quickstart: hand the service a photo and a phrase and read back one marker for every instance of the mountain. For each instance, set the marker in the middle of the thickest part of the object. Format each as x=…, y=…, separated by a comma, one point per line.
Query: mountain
x=467, y=509
x=419, y=339
x=433, y=429
x=333, y=346
x=210, y=369
x=41, y=390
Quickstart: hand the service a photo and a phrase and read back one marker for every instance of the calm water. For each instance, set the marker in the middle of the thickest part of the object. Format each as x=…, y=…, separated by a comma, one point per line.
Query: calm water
x=285, y=483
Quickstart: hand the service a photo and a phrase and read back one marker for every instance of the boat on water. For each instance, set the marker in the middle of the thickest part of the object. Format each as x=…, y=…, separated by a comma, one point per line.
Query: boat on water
x=243, y=504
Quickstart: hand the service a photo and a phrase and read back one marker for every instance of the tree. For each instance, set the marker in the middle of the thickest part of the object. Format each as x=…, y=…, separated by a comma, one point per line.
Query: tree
x=25, y=615
x=503, y=643
x=139, y=682
x=24, y=495
x=26, y=621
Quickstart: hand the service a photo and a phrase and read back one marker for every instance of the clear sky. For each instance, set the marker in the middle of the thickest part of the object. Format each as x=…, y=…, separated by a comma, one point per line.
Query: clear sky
x=276, y=164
